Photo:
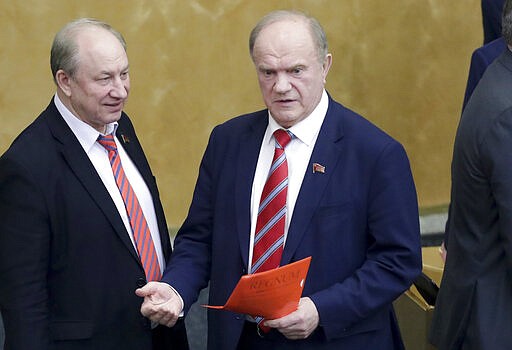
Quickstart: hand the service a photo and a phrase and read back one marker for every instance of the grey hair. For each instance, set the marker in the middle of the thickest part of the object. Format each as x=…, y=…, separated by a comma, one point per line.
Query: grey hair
x=317, y=32
x=64, y=52
x=506, y=22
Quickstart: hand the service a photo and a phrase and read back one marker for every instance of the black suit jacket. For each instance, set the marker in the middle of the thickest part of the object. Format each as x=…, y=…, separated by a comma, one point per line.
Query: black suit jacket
x=68, y=269
x=474, y=304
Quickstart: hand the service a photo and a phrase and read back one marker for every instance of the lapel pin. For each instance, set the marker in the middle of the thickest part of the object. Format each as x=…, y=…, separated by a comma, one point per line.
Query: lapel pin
x=125, y=139
x=318, y=168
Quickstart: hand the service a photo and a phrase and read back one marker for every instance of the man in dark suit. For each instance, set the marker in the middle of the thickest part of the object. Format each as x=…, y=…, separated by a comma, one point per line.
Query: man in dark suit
x=350, y=204
x=481, y=58
x=69, y=254
x=474, y=304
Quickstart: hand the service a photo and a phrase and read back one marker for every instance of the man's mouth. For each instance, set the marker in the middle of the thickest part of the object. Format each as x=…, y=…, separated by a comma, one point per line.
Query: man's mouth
x=115, y=105
x=284, y=100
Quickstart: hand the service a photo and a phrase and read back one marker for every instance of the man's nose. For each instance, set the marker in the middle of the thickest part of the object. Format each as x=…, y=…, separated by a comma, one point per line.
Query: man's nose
x=282, y=83
x=119, y=88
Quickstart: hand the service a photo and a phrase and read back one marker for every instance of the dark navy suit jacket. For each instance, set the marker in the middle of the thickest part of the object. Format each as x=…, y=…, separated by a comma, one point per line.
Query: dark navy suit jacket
x=358, y=221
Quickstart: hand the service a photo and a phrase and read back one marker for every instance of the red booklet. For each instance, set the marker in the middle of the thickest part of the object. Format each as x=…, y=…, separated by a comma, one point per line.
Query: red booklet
x=271, y=294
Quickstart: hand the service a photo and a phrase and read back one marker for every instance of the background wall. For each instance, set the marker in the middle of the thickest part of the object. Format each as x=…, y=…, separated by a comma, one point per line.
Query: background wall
x=401, y=64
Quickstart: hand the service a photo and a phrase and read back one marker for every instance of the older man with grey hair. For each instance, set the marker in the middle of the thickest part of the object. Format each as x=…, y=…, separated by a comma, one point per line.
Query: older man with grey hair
x=304, y=177
x=78, y=201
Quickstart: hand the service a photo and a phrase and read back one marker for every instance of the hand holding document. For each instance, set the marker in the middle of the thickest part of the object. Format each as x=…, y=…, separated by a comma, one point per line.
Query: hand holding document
x=270, y=294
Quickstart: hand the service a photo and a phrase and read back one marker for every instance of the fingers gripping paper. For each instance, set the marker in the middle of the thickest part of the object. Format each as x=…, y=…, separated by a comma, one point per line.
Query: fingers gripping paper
x=271, y=294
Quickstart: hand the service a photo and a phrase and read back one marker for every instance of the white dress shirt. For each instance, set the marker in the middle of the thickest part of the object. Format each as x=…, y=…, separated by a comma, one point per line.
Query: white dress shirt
x=298, y=154
x=98, y=155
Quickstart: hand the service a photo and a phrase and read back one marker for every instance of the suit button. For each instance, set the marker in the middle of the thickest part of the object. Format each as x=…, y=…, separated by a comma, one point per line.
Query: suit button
x=141, y=282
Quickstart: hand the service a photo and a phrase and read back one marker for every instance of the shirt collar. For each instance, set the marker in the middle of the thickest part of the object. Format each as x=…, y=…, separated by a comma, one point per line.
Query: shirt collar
x=308, y=128
x=85, y=133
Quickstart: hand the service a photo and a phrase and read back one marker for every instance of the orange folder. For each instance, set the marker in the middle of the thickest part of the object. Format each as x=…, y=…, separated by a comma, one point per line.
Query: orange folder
x=271, y=294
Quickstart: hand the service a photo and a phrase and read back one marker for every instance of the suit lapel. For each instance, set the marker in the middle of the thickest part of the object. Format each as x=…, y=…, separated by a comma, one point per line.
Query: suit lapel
x=83, y=169
x=327, y=153
x=249, y=147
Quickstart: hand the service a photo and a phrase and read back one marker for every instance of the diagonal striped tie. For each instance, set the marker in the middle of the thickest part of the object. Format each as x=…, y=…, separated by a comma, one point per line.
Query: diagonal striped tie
x=269, y=233
x=140, y=229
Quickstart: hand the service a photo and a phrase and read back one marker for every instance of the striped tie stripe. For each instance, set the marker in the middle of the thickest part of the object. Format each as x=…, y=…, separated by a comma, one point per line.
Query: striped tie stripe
x=275, y=247
x=140, y=229
x=278, y=190
x=278, y=216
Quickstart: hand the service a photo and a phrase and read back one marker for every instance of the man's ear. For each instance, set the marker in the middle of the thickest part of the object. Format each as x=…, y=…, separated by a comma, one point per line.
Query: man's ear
x=63, y=81
x=327, y=65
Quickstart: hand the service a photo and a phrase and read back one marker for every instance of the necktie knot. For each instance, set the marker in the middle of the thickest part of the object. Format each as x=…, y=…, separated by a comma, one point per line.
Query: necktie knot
x=283, y=137
x=108, y=142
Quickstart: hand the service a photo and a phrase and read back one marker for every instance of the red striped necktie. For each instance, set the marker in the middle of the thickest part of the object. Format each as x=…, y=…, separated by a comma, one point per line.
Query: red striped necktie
x=140, y=228
x=270, y=224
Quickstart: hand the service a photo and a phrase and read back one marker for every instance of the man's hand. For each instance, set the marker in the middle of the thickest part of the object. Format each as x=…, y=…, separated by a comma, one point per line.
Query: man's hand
x=300, y=323
x=161, y=303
